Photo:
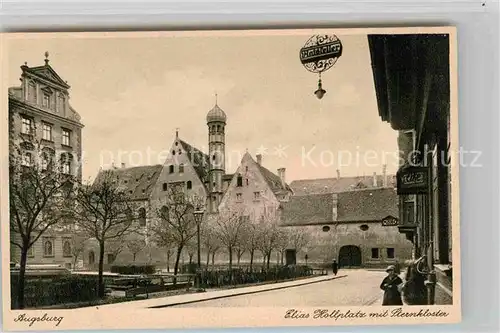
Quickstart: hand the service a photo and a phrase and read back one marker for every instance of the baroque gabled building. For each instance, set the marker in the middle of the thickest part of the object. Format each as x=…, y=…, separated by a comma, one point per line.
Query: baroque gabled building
x=254, y=191
x=39, y=109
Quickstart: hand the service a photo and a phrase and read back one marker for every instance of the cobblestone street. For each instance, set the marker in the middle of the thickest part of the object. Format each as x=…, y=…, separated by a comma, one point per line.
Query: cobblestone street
x=360, y=287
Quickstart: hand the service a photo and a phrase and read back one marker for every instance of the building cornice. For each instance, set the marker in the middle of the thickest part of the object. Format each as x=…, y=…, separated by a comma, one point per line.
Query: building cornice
x=44, y=113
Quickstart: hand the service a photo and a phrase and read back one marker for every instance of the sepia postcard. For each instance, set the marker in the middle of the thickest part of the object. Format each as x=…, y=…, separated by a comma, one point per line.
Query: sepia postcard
x=237, y=178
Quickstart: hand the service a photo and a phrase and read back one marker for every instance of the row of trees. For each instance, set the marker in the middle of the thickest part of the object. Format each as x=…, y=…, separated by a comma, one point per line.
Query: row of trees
x=44, y=198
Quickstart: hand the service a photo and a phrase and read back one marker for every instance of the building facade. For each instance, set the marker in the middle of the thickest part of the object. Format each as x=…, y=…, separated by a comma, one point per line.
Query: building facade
x=39, y=110
x=411, y=74
x=347, y=226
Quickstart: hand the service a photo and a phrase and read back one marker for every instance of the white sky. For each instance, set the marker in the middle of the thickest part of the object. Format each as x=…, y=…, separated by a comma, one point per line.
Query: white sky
x=132, y=93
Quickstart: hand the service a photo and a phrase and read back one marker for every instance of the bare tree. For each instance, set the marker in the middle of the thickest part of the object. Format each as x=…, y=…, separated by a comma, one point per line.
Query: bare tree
x=252, y=240
x=114, y=248
x=210, y=242
x=229, y=226
x=103, y=211
x=40, y=193
x=78, y=245
x=282, y=243
x=268, y=236
x=176, y=224
x=299, y=239
x=135, y=246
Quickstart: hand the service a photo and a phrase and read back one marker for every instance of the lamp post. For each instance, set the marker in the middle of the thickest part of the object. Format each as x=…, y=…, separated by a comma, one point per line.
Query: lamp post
x=198, y=216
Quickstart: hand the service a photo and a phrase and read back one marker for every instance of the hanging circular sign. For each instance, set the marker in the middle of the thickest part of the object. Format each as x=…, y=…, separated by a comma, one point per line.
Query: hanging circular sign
x=320, y=53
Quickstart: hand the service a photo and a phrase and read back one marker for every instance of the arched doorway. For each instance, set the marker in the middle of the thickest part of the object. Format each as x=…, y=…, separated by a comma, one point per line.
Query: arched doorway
x=349, y=256
x=91, y=258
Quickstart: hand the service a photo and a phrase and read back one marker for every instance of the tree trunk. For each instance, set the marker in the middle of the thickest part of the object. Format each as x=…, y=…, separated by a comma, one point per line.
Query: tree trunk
x=268, y=260
x=22, y=276
x=282, y=255
x=208, y=258
x=169, y=254
x=230, y=249
x=251, y=260
x=100, y=280
x=238, y=258
x=135, y=254
x=176, y=267
x=213, y=259
x=190, y=258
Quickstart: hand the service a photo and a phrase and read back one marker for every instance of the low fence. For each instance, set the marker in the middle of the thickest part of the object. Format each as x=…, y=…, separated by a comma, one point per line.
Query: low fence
x=238, y=276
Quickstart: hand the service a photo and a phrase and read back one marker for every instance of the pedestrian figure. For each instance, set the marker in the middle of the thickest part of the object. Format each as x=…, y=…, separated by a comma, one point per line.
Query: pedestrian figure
x=335, y=267
x=391, y=285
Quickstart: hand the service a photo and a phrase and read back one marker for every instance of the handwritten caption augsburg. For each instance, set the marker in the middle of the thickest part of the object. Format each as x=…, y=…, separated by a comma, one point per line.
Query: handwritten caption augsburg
x=31, y=320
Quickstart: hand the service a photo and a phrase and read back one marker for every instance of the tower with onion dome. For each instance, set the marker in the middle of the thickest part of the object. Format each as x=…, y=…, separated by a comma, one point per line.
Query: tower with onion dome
x=216, y=122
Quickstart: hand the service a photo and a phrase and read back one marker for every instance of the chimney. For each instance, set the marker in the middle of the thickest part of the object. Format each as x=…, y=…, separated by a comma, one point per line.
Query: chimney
x=281, y=174
x=123, y=165
x=259, y=159
x=375, y=179
x=384, y=175
x=334, y=207
x=338, y=174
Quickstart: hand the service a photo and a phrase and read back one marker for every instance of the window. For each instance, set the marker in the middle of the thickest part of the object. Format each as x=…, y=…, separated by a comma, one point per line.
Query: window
x=170, y=169
x=165, y=186
x=256, y=195
x=111, y=258
x=164, y=212
x=375, y=254
x=32, y=92
x=189, y=184
x=66, y=164
x=364, y=227
x=48, y=247
x=181, y=168
x=31, y=250
x=60, y=103
x=173, y=152
x=66, y=137
x=91, y=257
x=239, y=182
x=27, y=159
x=142, y=217
x=46, y=100
x=27, y=126
x=325, y=228
x=239, y=197
x=247, y=181
x=67, y=248
x=47, y=132
x=390, y=253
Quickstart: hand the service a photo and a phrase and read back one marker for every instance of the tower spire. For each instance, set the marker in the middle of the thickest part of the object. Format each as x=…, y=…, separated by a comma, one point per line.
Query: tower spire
x=216, y=98
x=177, y=132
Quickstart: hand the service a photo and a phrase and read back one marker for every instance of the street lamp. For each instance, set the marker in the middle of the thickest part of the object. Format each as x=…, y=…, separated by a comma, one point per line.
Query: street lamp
x=198, y=217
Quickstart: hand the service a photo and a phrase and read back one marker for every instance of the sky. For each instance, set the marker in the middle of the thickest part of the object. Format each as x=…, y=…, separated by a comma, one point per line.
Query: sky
x=133, y=92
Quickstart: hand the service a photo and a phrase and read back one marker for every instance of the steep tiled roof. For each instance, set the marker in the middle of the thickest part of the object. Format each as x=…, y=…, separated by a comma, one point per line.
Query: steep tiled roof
x=273, y=180
x=199, y=160
x=137, y=182
x=352, y=206
x=308, y=209
x=367, y=205
x=335, y=185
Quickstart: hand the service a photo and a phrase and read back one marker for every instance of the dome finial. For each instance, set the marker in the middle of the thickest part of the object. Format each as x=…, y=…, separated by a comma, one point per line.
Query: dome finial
x=177, y=132
x=215, y=97
x=46, y=57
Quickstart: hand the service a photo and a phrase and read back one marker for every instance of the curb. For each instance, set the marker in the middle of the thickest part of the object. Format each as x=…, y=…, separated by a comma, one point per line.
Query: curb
x=245, y=293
